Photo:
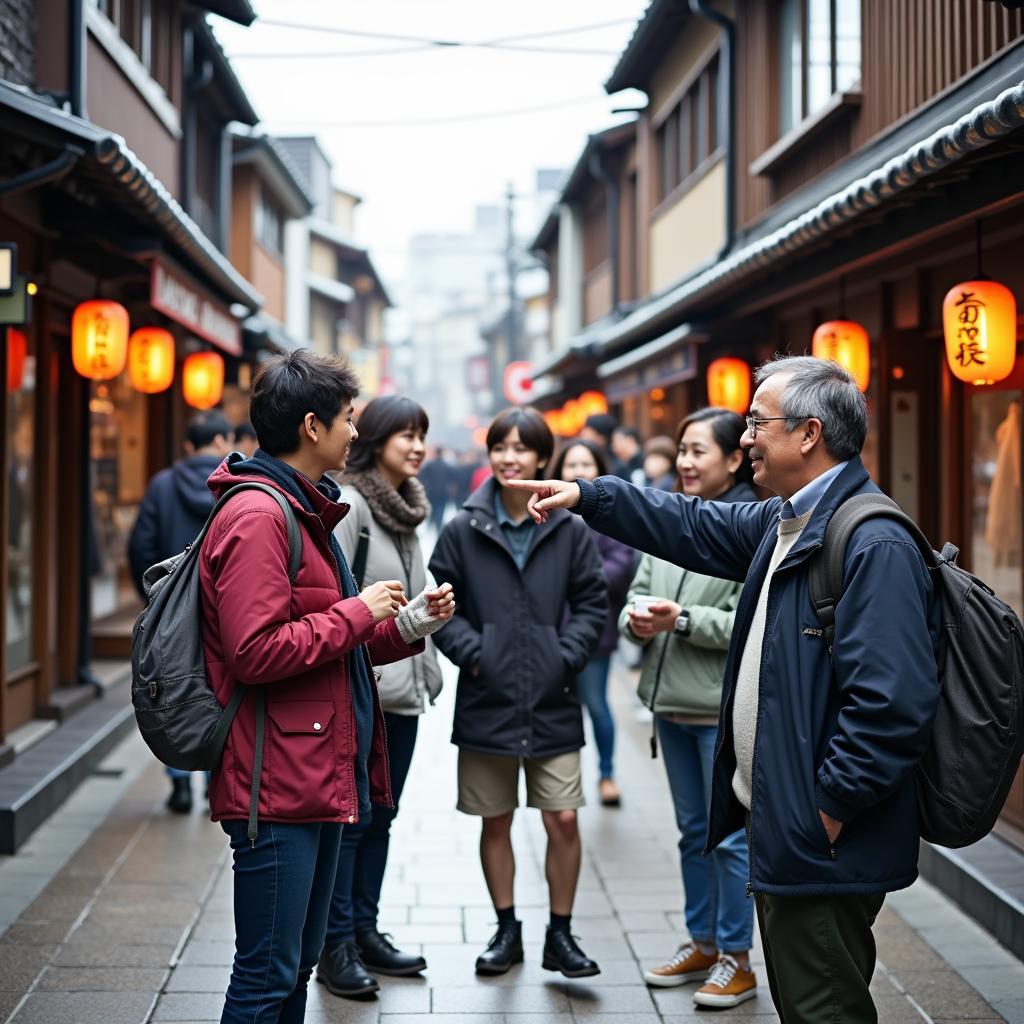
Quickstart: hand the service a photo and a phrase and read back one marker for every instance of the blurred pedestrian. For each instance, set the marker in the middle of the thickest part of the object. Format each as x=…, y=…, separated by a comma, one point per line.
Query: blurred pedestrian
x=684, y=622
x=303, y=650
x=659, y=466
x=627, y=448
x=174, y=509
x=819, y=739
x=532, y=604
x=436, y=480
x=584, y=460
x=378, y=536
x=245, y=440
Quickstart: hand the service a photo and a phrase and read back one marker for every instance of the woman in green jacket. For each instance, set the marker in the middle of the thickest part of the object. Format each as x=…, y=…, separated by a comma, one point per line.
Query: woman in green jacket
x=684, y=622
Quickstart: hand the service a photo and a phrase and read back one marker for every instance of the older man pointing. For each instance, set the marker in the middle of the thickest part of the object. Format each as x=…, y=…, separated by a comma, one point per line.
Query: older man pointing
x=815, y=752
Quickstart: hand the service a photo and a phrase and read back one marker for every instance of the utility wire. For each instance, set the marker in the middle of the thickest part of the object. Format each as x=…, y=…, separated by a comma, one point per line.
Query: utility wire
x=483, y=115
x=332, y=54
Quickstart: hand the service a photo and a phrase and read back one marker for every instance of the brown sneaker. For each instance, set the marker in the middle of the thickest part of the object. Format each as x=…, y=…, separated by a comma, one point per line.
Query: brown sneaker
x=609, y=793
x=689, y=964
x=728, y=985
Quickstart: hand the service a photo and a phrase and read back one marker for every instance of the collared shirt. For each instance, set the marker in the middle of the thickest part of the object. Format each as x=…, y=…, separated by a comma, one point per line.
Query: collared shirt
x=810, y=494
x=518, y=535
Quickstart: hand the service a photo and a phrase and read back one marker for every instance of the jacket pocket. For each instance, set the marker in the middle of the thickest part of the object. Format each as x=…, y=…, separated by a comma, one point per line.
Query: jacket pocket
x=300, y=759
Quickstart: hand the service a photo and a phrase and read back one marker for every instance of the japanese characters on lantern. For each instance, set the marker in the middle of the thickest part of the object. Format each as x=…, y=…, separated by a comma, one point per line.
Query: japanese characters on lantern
x=979, y=320
x=151, y=359
x=99, y=339
x=846, y=343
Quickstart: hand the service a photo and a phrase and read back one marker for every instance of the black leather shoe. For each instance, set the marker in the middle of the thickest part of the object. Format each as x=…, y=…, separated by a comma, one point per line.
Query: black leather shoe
x=180, y=800
x=379, y=955
x=504, y=949
x=342, y=971
x=562, y=954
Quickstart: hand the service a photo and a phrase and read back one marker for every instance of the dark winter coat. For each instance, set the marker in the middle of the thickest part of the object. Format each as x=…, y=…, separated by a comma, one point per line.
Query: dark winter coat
x=618, y=563
x=173, y=511
x=295, y=640
x=519, y=637
x=844, y=743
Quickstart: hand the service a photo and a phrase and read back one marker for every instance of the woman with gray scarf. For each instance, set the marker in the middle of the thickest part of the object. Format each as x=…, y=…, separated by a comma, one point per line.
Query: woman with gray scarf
x=378, y=535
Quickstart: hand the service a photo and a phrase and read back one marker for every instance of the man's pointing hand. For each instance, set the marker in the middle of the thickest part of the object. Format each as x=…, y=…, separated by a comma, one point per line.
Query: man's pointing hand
x=547, y=494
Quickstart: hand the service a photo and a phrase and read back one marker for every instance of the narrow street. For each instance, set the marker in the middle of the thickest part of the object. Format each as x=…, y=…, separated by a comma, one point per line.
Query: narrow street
x=118, y=913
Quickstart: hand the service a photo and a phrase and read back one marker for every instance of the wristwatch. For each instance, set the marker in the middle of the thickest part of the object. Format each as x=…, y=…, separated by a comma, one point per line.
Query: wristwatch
x=683, y=623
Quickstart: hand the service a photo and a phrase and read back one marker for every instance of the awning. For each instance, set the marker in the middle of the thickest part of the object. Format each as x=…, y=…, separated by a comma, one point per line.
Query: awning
x=336, y=290
x=670, y=359
x=105, y=161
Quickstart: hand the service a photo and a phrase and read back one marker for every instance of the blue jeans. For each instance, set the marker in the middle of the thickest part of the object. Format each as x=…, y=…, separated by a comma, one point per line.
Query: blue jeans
x=177, y=773
x=364, y=845
x=282, y=891
x=592, y=684
x=717, y=910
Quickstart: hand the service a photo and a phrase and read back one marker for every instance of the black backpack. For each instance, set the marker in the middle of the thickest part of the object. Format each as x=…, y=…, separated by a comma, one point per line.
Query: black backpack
x=977, y=739
x=177, y=712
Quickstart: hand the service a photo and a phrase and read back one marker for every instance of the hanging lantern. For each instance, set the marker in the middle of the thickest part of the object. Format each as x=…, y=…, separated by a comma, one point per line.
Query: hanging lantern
x=99, y=339
x=845, y=342
x=203, y=379
x=593, y=403
x=17, y=352
x=151, y=360
x=979, y=319
x=729, y=384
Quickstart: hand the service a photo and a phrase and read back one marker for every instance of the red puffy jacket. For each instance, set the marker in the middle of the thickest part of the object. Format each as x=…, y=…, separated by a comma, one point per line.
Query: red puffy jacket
x=259, y=629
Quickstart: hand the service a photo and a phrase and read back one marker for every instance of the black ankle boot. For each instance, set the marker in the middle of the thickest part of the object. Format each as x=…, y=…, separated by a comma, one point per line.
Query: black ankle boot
x=504, y=949
x=562, y=954
x=342, y=971
x=379, y=955
x=180, y=800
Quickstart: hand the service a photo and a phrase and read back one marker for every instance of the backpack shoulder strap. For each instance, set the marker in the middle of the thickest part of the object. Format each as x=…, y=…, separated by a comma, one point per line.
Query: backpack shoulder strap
x=825, y=578
x=291, y=523
x=362, y=553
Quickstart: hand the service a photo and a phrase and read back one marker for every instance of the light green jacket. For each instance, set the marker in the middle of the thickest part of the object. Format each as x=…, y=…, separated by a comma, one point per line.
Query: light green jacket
x=682, y=675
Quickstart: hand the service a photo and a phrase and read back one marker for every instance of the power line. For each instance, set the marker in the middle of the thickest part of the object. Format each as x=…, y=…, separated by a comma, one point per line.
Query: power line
x=482, y=115
x=422, y=48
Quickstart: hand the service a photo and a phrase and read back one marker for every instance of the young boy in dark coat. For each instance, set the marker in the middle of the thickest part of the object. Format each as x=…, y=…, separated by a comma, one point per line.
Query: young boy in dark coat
x=532, y=605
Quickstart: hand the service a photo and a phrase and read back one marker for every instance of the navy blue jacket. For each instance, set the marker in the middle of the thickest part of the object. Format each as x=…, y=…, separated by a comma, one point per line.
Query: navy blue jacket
x=173, y=511
x=845, y=743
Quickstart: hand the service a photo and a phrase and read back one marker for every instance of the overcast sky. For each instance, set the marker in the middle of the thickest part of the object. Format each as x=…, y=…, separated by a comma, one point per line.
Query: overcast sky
x=402, y=129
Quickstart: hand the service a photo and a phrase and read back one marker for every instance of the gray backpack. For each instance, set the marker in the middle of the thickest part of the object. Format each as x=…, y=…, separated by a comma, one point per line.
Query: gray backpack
x=977, y=739
x=177, y=712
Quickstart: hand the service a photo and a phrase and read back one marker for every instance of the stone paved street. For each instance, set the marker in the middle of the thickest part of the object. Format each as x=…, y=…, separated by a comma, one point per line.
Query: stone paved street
x=117, y=913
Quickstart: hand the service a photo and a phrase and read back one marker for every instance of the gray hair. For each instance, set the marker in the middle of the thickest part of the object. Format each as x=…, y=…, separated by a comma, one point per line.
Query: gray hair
x=823, y=390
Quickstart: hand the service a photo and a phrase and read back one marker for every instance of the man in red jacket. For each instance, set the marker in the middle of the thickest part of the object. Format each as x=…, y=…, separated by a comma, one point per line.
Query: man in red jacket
x=309, y=643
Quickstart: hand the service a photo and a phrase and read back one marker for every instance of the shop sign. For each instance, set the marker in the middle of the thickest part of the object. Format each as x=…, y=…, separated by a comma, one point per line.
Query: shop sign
x=8, y=263
x=677, y=365
x=175, y=295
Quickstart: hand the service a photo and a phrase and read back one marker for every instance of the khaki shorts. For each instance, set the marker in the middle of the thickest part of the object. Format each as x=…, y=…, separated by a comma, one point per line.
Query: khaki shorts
x=489, y=784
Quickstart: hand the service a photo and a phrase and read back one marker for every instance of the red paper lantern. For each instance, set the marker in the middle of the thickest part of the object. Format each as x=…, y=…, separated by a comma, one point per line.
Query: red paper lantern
x=17, y=352
x=203, y=379
x=846, y=343
x=728, y=382
x=979, y=320
x=99, y=339
x=151, y=360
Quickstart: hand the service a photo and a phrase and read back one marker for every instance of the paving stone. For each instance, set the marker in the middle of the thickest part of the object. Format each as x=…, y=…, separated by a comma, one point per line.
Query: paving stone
x=500, y=999
x=84, y=1008
x=208, y=954
x=411, y=997
x=19, y=965
x=631, y=999
x=102, y=979
x=188, y=978
x=78, y=953
x=189, y=1006
x=944, y=993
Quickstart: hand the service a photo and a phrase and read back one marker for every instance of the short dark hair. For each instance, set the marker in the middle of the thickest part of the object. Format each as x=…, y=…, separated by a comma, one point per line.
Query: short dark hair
x=245, y=431
x=533, y=431
x=205, y=427
x=604, y=423
x=381, y=419
x=600, y=458
x=629, y=432
x=727, y=427
x=291, y=385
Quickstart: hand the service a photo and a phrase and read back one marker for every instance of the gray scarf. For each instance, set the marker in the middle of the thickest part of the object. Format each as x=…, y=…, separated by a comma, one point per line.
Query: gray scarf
x=398, y=511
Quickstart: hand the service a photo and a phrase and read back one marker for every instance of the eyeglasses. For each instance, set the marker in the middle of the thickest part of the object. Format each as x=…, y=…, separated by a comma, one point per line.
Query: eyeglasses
x=753, y=422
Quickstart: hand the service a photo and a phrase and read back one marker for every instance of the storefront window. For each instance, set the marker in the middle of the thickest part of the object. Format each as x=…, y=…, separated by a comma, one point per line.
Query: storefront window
x=21, y=407
x=118, y=448
x=996, y=497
